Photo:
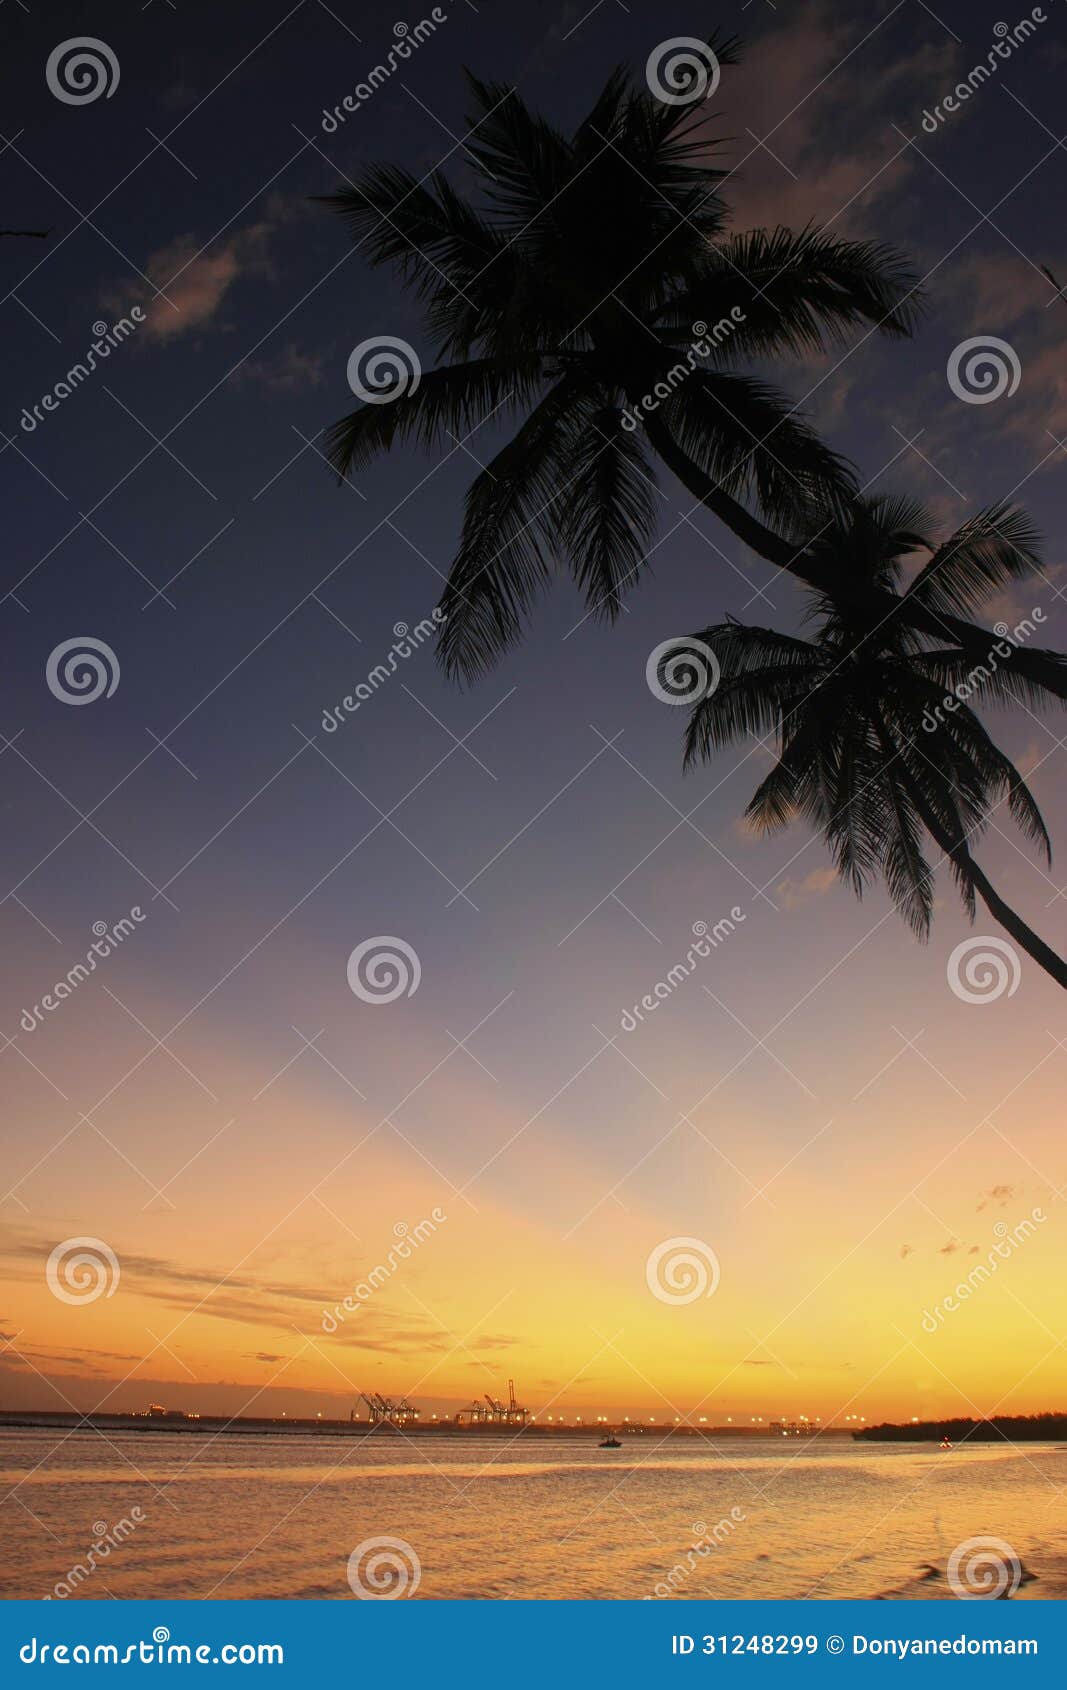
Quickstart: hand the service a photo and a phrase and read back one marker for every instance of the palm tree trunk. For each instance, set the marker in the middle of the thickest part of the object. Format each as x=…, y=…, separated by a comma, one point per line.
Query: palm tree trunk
x=797, y=561
x=1023, y=935
x=763, y=540
x=959, y=853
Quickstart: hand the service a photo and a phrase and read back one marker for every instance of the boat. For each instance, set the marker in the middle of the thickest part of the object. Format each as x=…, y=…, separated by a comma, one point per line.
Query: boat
x=946, y=1443
x=609, y=1443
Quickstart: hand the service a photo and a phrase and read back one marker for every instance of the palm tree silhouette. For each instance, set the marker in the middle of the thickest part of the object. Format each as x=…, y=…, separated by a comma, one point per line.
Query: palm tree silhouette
x=569, y=297
x=574, y=293
x=869, y=749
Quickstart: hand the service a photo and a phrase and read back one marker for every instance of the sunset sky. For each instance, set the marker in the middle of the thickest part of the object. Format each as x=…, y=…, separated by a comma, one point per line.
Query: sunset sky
x=214, y=1103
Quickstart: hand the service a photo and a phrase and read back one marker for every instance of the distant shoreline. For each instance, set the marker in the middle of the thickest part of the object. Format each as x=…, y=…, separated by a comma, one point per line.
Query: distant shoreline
x=1001, y=1428
x=59, y=1420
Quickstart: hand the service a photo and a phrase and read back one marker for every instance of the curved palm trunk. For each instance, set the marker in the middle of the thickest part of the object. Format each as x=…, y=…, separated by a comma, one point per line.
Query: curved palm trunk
x=763, y=540
x=795, y=560
x=1014, y=924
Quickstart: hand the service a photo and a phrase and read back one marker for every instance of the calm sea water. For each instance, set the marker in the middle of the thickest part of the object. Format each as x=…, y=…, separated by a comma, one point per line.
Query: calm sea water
x=258, y=1516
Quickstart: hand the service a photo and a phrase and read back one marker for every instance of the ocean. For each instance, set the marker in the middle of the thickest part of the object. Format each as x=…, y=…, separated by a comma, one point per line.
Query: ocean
x=138, y=1515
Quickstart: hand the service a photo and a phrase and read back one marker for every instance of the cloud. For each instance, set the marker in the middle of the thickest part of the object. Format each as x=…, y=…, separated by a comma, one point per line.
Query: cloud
x=793, y=893
x=1000, y=1195
x=264, y=1355
x=191, y=280
x=248, y=1301
x=829, y=151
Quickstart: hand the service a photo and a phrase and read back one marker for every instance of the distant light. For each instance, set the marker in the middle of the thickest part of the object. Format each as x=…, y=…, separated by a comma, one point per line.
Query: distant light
x=915, y=1419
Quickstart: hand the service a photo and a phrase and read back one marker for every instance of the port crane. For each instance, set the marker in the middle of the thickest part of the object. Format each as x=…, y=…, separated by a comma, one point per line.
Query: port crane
x=490, y=1411
x=385, y=1412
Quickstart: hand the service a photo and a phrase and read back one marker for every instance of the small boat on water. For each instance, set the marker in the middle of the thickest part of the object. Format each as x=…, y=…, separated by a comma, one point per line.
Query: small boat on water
x=609, y=1443
x=946, y=1443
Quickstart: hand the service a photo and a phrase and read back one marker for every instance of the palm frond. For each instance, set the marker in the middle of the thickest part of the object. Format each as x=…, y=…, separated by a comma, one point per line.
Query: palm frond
x=508, y=544
x=990, y=551
x=800, y=292
x=452, y=400
x=608, y=507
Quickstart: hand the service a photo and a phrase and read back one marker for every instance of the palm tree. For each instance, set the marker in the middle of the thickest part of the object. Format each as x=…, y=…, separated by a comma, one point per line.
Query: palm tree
x=875, y=746
x=572, y=295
